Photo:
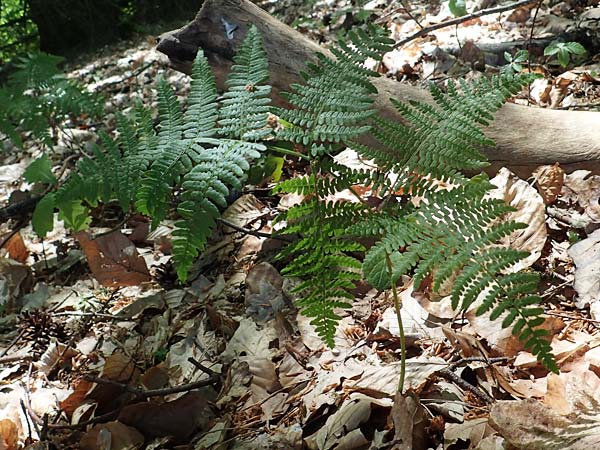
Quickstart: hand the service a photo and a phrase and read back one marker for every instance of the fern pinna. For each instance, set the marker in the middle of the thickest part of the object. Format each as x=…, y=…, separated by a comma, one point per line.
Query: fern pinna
x=449, y=238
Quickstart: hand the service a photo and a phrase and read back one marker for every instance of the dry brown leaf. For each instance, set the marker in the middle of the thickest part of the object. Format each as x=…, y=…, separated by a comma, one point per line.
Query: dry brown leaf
x=530, y=210
x=119, y=367
x=383, y=380
x=584, y=188
x=18, y=280
x=179, y=418
x=73, y=401
x=549, y=181
x=566, y=420
x=155, y=377
x=16, y=248
x=586, y=257
x=111, y=436
x=342, y=428
x=9, y=435
x=410, y=421
x=113, y=259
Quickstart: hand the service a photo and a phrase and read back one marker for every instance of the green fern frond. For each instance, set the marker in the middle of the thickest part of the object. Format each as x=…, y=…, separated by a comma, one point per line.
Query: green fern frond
x=172, y=157
x=205, y=191
x=221, y=164
x=200, y=119
x=321, y=257
x=441, y=141
x=451, y=237
x=245, y=106
x=335, y=103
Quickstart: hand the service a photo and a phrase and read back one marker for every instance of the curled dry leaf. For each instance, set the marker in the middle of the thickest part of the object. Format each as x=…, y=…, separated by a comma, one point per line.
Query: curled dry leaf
x=530, y=210
x=549, y=181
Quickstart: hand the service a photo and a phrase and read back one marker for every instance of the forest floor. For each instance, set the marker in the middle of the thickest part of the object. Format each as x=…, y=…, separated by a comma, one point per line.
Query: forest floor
x=87, y=337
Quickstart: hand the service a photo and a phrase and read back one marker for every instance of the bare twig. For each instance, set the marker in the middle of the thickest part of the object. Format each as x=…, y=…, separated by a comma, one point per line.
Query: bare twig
x=458, y=20
x=254, y=233
x=451, y=376
x=15, y=358
x=143, y=393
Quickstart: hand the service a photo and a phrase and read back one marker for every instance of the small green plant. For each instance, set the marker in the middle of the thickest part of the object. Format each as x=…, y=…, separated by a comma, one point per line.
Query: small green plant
x=38, y=97
x=564, y=51
x=515, y=62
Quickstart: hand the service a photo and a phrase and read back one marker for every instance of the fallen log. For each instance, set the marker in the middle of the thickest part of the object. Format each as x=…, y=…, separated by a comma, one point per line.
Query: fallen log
x=525, y=137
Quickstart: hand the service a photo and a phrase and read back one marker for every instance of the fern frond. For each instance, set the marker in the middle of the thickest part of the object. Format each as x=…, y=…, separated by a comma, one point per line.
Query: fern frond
x=441, y=142
x=200, y=119
x=245, y=106
x=171, y=160
x=335, y=102
x=205, y=191
x=321, y=258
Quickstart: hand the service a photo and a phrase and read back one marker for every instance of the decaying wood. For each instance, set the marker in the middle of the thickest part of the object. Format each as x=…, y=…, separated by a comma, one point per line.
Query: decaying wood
x=525, y=137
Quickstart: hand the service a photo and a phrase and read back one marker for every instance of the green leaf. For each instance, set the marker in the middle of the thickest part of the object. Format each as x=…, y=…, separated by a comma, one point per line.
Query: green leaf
x=575, y=48
x=75, y=215
x=552, y=49
x=457, y=7
x=43, y=215
x=40, y=171
x=9, y=130
x=563, y=57
x=521, y=56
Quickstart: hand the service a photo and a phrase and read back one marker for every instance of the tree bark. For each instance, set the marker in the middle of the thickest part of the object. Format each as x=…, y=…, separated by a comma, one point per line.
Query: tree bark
x=525, y=137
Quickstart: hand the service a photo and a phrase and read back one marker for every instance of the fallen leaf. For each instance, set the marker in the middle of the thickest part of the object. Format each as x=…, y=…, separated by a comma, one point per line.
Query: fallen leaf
x=530, y=210
x=586, y=257
x=16, y=248
x=9, y=435
x=178, y=418
x=410, y=420
x=549, y=181
x=111, y=436
x=113, y=259
x=76, y=398
x=566, y=420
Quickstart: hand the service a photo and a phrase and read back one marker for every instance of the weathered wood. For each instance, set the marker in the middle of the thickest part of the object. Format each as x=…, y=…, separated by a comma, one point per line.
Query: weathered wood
x=526, y=137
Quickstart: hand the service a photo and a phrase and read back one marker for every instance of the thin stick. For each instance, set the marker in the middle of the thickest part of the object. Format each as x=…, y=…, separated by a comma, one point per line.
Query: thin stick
x=451, y=376
x=458, y=20
x=398, y=308
x=154, y=392
x=227, y=223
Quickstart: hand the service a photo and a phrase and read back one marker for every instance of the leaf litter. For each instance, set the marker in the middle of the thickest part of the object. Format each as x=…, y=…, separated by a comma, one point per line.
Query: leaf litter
x=228, y=363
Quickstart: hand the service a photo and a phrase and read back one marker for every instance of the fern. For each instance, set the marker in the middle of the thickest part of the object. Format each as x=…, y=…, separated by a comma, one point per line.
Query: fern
x=200, y=155
x=221, y=164
x=37, y=96
x=449, y=237
x=332, y=107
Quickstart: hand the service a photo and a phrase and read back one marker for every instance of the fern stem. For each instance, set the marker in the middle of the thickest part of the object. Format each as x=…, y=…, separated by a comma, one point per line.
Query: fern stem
x=398, y=308
x=286, y=151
